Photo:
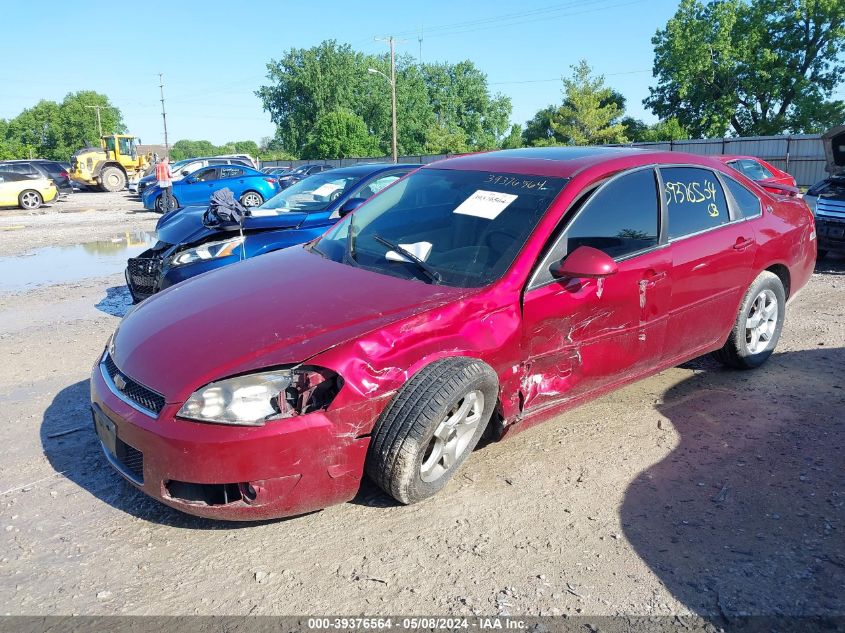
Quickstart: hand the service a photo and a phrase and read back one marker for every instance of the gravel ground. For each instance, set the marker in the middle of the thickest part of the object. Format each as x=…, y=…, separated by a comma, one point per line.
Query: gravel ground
x=697, y=491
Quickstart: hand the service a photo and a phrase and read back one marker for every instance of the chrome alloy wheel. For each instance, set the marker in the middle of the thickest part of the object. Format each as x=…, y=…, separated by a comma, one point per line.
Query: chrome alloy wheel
x=761, y=321
x=252, y=200
x=452, y=436
x=30, y=200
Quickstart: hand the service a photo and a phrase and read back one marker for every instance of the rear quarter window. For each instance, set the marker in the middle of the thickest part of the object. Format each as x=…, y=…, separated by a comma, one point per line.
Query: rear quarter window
x=745, y=201
x=694, y=199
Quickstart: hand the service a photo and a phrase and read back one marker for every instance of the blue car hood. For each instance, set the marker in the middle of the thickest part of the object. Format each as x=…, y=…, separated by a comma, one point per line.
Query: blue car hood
x=185, y=226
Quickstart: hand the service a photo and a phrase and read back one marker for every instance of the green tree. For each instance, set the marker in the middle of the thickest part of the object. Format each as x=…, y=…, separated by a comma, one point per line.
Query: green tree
x=449, y=101
x=538, y=131
x=590, y=112
x=56, y=130
x=191, y=149
x=514, y=138
x=442, y=140
x=669, y=130
x=460, y=99
x=340, y=134
x=754, y=68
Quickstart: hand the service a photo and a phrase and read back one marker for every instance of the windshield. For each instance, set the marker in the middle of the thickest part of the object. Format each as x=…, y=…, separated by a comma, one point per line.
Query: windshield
x=458, y=228
x=314, y=193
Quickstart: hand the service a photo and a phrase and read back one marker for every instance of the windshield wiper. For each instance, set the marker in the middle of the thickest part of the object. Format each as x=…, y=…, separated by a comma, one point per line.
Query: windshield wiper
x=428, y=270
x=312, y=248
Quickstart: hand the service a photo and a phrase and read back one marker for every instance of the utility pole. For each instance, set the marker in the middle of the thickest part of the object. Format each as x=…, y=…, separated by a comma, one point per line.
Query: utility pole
x=99, y=123
x=392, y=79
x=420, y=40
x=163, y=115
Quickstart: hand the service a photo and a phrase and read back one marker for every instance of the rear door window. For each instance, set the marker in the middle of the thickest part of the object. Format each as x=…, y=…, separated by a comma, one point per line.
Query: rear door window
x=694, y=199
x=231, y=172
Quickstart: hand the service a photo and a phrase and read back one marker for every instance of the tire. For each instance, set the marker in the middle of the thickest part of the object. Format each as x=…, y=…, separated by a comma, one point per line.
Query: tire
x=112, y=179
x=30, y=199
x=430, y=427
x=749, y=346
x=252, y=199
x=159, y=204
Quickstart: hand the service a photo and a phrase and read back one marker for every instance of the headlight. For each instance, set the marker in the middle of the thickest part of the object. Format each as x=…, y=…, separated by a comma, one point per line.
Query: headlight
x=254, y=399
x=210, y=250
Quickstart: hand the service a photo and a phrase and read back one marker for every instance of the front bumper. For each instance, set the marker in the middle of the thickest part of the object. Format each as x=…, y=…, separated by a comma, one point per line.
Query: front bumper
x=830, y=234
x=284, y=468
x=148, y=273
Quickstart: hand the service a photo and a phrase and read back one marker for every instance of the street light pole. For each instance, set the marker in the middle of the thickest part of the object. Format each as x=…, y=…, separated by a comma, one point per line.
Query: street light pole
x=393, y=99
x=392, y=79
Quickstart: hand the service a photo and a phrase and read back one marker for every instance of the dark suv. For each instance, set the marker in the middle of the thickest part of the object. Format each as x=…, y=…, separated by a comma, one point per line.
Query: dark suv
x=41, y=168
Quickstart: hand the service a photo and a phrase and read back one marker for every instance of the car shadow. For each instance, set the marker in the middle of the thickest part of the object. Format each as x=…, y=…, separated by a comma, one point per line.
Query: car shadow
x=745, y=515
x=79, y=457
x=117, y=301
x=833, y=264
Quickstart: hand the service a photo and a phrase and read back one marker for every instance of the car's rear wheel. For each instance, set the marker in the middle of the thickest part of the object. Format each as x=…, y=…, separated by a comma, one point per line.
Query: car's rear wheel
x=30, y=200
x=431, y=427
x=252, y=199
x=758, y=324
x=112, y=179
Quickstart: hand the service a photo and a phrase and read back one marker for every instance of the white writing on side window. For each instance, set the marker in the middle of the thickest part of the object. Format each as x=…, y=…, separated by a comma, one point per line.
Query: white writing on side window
x=486, y=204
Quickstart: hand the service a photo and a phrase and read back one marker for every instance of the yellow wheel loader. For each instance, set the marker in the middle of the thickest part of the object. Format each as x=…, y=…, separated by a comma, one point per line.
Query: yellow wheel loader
x=109, y=166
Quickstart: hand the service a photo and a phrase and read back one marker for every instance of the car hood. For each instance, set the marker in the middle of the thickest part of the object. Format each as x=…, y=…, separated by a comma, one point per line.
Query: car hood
x=277, y=309
x=185, y=226
x=834, y=150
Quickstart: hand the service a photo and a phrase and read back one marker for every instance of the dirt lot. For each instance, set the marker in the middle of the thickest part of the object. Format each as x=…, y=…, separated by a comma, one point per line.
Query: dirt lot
x=699, y=490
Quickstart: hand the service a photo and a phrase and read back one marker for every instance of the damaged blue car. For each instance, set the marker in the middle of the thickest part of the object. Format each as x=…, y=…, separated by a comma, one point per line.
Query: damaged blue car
x=191, y=240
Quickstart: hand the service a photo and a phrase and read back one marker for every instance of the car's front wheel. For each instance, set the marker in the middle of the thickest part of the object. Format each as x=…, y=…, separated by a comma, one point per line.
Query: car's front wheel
x=431, y=427
x=159, y=204
x=758, y=324
x=30, y=200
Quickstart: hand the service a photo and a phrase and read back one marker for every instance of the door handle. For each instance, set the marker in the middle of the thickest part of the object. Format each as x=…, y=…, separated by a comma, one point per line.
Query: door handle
x=742, y=243
x=652, y=277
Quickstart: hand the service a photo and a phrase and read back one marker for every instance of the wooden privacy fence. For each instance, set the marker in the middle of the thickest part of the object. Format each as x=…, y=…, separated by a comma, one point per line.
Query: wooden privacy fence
x=800, y=155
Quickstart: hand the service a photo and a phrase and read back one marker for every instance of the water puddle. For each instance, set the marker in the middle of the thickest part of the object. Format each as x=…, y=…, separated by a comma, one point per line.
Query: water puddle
x=62, y=264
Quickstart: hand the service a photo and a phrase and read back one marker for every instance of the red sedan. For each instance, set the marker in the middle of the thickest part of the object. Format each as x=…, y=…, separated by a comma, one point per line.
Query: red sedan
x=480, y=294
x=766, y=174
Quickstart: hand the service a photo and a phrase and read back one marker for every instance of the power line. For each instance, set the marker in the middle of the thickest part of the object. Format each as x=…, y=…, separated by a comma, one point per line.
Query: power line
x=540, y=81
x=522, y=17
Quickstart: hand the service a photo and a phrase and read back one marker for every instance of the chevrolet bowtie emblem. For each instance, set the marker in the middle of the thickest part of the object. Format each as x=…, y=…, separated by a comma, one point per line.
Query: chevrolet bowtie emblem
x=119, y=382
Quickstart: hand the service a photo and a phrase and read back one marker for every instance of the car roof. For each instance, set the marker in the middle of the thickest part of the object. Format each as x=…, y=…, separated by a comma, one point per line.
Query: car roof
x=542, y=161
x=371, y=168
x=567, y=161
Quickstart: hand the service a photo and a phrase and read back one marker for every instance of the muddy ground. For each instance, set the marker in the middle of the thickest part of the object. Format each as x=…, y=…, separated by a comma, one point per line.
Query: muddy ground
x=699, y=490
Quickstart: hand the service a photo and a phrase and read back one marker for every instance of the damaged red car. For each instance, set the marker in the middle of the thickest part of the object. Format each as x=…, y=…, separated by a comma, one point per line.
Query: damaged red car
x=479, y=295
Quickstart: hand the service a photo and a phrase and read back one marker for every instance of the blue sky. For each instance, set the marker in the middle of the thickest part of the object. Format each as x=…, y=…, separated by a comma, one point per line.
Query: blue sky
x=214, y=54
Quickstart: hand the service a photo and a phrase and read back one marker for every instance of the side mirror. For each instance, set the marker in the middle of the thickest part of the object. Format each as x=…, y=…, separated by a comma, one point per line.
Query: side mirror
x=185, y=172
x=350, y=205
x=586, y=262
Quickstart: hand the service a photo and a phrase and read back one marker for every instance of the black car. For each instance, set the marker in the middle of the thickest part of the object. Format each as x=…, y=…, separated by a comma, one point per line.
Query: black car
x=41, y=168
x=298, y=173
x=827, y=198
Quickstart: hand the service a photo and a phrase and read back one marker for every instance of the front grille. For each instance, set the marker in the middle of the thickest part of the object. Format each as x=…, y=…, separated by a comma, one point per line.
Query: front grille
x=131, y=459
x=143, y=273
x=133, y=391
x=830, y=208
